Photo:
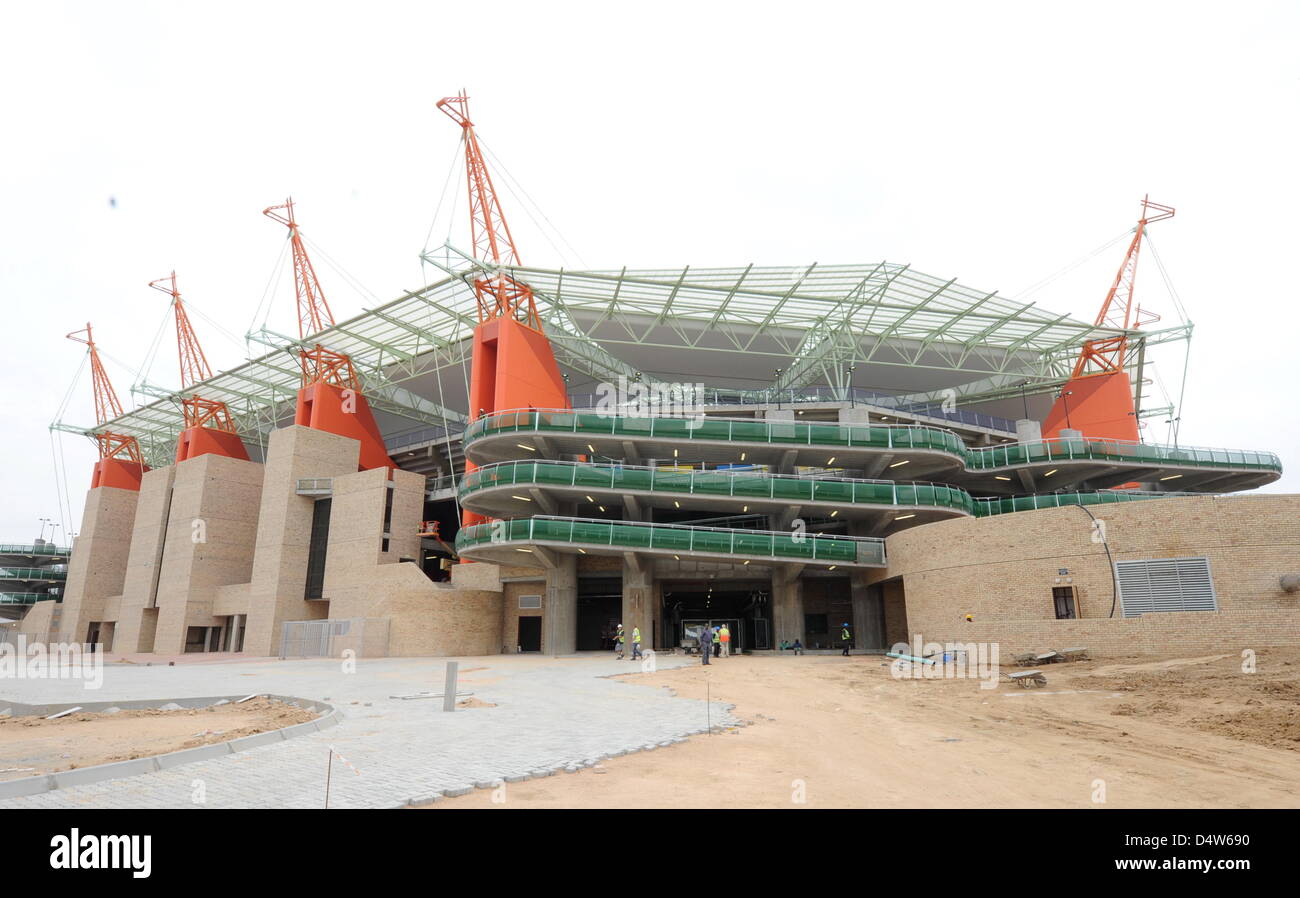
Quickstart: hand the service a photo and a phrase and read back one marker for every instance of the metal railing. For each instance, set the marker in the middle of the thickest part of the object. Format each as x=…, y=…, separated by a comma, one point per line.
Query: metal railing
x=740, y=485
x=424, y=435
x=1015, y=454
x=702, y=428
x=33, y=574
x=32, y=549
x=987, y=507
x=833, y=435
x=26, y=598
x=631, y=535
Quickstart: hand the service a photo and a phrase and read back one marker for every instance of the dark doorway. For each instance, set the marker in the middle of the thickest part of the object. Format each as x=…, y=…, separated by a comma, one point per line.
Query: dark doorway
x=1063, y=599
x=747, y=608
x=600, y=605
x=530, y=633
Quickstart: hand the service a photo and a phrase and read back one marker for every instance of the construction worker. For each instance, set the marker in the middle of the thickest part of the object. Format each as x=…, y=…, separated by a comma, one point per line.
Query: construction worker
x=724, y=635
x=846, y=637
x=717, y=642
x=704, y=644
x=636, y=643
x=618, y=642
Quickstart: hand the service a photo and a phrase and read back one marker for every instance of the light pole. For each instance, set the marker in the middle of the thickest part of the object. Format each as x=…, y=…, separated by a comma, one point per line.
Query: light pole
x=43, y=521
x=1024, y=401
x=777, y=386
x=1066, y=402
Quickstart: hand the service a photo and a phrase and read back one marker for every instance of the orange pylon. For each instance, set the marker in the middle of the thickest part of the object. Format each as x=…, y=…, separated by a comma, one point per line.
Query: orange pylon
x=330, y=398
x=1097, y=401
x=121, y=464
x=513, y=365
x=209, y=427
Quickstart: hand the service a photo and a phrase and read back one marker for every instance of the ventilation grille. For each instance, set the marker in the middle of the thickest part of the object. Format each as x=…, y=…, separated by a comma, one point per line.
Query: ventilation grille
x=529, y=602
x=1165, y=584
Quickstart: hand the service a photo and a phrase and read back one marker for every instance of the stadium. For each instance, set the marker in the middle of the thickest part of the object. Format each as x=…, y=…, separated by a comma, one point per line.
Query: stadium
x=519, y=459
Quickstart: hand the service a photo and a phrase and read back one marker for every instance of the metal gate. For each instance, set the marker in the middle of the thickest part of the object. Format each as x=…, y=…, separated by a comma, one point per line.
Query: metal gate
x=366, y=637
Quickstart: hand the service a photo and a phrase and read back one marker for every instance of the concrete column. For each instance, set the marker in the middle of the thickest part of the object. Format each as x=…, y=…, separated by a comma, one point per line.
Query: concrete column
x=1070, y=434
x=779, y=414
x=97, y=568
x=560, y=607
x=787, y=605
x=639, y=600
x=868, y=614
x=854, y=414
x=279, y=578
x=211, y=530
x=139, y=614
x=1028, y=431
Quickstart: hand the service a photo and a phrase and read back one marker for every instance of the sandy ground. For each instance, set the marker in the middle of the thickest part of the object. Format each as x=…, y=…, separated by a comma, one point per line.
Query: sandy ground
x=31, y=746
x=827, y=732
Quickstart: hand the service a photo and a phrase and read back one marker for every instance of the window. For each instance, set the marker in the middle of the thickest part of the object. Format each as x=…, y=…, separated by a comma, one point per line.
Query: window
x=1165, y=584
x=320, y=536
x=1063, y=599
x=528, y=602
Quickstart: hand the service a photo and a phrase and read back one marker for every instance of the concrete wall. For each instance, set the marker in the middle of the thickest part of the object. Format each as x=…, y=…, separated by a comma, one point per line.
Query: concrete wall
x=1002, y=571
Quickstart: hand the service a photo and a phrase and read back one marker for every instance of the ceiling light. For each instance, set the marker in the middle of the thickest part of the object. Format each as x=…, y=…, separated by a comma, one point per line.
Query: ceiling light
x=745, y=563
x=674, y=453
x=832, y=567
x=592, y=448
x=835, y=512
x=678, y=504
x=523, y=550
x=589, y=499
x=1000, y=477
x=1172, y=477
x=1051, y=472
x=742, y=455
x=583, y=551
x=744, y=508
x=904, y=517
x=601, y=507
x=522, y=446
x=831, y=460
x=521, y=498
x=900, y=463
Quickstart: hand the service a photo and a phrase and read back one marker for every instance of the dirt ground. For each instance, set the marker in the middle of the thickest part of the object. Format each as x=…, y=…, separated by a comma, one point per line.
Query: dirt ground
x=832, y=732
x=31, y=746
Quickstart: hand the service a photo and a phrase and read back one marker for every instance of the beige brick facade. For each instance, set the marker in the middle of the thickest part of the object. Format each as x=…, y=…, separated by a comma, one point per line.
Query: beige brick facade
x=1002, y=571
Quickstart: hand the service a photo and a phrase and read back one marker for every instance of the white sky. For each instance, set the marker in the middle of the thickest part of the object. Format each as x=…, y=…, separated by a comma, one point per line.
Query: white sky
x=992, y=142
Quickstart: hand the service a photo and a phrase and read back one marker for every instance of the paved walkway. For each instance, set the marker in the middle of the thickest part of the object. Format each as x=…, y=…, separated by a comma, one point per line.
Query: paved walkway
x=550, y=714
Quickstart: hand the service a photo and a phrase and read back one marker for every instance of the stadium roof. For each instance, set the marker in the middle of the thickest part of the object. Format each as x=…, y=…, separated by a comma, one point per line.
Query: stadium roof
x=883, y=325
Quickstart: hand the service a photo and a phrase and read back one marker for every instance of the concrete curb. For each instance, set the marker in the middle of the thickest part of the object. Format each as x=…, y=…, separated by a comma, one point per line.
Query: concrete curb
x=49, y=782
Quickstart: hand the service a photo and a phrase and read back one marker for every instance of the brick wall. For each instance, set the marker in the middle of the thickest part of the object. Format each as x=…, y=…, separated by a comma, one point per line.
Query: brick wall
x=1002, y=571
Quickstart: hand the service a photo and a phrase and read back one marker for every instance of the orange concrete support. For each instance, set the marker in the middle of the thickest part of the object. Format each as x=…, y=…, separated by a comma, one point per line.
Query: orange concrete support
x=119, y=473
x=343, y=411
x=196, y=441
x=1100, y=406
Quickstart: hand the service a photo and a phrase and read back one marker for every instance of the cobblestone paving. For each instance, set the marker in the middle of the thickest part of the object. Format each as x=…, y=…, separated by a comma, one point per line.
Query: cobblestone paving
x=551, y=715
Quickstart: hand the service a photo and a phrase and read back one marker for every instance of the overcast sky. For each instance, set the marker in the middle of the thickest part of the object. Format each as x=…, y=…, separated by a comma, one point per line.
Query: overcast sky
x=992, y=142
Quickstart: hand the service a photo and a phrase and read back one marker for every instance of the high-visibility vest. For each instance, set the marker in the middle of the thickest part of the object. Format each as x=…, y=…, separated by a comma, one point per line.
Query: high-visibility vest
x=725, y=634
x=716, y=637
x=620, y=637
x=845, y=635
x=636, y=635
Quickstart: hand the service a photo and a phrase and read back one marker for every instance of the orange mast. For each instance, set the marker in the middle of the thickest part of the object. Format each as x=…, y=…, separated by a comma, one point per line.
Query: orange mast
x=330, y=398
x=1098, y=398
x=121, y=464
x=513, y=365
x=209, y=427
